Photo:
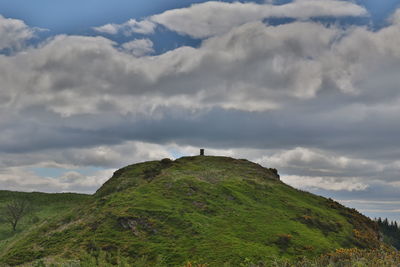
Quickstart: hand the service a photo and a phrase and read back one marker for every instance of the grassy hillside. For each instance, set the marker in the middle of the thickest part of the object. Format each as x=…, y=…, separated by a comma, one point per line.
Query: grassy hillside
x=206, y=209
x=42, y=207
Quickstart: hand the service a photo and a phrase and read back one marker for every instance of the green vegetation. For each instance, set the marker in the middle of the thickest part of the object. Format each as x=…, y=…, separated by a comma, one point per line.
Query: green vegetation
x=14, y=211
x=390, y=232
x=354, y=257
x=41, y=208
x=215, y=210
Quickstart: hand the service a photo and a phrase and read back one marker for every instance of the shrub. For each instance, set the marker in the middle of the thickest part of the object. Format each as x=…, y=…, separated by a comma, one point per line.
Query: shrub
x=283, y=240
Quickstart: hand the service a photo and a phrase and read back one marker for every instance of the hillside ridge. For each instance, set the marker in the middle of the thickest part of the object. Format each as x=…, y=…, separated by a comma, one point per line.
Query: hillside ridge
x=214, y=210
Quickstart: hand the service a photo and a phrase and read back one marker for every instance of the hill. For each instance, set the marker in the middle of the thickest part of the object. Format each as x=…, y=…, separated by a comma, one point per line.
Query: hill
x=212, y=210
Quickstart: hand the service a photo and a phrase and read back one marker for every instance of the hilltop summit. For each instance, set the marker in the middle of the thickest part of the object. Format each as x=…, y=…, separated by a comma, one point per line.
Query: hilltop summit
x=204, y=168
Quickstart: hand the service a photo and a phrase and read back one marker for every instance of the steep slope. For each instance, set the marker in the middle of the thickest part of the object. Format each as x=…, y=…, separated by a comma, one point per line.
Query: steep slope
x=207, y=209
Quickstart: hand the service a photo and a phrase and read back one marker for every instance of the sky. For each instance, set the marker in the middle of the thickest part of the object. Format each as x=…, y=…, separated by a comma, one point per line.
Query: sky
x=310, y=87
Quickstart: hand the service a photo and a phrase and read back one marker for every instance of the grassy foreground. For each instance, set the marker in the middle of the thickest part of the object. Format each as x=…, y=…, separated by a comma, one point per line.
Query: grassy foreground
x=209, y=210
x=381, y=257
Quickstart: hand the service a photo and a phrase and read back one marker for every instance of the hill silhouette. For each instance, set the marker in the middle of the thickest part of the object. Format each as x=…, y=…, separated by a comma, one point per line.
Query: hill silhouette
x=214, y=210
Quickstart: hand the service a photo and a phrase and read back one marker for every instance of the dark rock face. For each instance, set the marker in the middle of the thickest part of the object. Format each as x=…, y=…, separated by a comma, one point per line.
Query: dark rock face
x=275, y=172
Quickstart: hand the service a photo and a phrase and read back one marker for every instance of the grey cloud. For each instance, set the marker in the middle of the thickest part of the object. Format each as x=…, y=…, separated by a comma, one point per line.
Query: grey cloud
x=14, y=34
x=138, y=47
x=328, y=183
x=128, y=28
x=22, y=180
x=16, y=172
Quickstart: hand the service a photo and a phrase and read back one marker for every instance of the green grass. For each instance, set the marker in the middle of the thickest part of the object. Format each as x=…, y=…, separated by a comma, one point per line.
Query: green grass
x=43, y=207
x=214, y=210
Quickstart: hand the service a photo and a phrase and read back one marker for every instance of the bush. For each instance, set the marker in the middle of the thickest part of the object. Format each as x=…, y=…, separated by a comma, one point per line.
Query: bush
x=283, y=240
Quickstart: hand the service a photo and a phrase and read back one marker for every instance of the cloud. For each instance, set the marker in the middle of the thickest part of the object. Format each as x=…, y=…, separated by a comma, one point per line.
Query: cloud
x=324, y=77
x=14, y=34
x=17, y=173
x=128, y=28
x=138, y=47
x=395, y=18
x=327, y=183
x=214, y=18
x=77, y=75
x=100, y=156
x=18, y=179
x=254, y=67
x=321, y=163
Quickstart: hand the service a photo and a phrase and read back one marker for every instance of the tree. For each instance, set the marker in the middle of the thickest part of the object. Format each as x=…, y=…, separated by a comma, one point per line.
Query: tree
x=14, y=211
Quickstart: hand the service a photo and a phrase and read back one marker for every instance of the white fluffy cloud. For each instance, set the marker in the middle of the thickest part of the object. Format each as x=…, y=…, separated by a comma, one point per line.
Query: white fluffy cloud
x=253, y=67
x=14, y=33
x=214, y=18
